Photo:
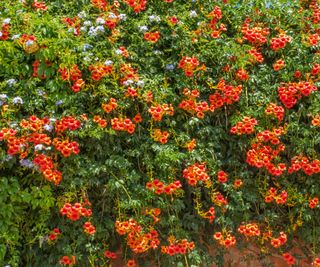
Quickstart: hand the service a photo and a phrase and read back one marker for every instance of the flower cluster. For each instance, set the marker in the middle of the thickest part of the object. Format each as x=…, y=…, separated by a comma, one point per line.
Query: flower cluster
x=67, y=123
x=280, y=41
x=301, y=162
x=159, y=136
x=281, y=240
x=191, y=145
x=195, y=173
x=290, y=93
x=98, y=71
x=222, y=176
x=273, y=196
x=152, y=37
x=75, y=211
x=189, y=65
x=215, y=15
x=276, y=111
x=54, y=234
x=289, y=258
x=73, y=74
x=316, y=262
x=33, y=123
x=258, y=57
x=158, y=111
x=278, y=65
x=110, y=255
x=315, y=69
x=316, y=120
x=66, y=148
x=128, y=73
x=226, y=95
x=262, y=155
x=160, y=188
x=210, y=214
x=137, y=5
x=246, y=126
x=177, y=246
x=226, y=240
x=255, y=35
x=249, y=230
x=154, y=213
x=65, y=260
x=218, y=199
x=123, y=124
x=5, y=30
x=112, y=105
x=47, y=168
x=100, y=121
x=313, y=203
x=137, y=240
x=242, y=75
x=191, y=105
x=89, y=228
x=313, y=39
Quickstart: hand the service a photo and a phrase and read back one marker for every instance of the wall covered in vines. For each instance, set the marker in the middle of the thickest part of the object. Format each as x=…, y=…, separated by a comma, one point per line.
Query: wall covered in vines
x=154, y=130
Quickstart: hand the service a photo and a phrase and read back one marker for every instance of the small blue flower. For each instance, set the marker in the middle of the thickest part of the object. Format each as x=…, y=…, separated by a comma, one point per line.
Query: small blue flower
x=59, y=102
x=3, y=96
x=170, y=67
x=87, y=47
x=11, y=82
x=48, y=127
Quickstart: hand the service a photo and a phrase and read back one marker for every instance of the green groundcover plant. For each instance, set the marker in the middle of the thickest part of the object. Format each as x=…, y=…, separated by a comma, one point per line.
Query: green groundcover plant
x=155, y=130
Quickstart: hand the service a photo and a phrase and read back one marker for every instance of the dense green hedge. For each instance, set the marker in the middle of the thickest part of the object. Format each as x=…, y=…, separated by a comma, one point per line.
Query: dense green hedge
x=174, y=126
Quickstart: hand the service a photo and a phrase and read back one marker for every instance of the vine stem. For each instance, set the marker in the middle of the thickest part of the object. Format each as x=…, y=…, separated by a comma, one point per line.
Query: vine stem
x=186, y=260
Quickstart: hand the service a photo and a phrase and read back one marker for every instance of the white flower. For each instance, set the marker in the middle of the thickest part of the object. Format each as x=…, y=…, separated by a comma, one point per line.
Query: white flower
x=3, y=96
x=11, y=82
x=38, y=147
x=6, y=21
x=193, y=14
x=154, y=18
x=157, y=52
x=1, y=33
x=87, y=23
x=41, y=92
x=92, y=31
x=143, y=28
x=108, y=62
x=29, y=42
x=82, y=14
x=119, y=52
x=112, y=16
x=100, y=29
x=48, y=127
x=140, y=83
x=123, y=16
x=17, y=100
x=100, y=21
x=83, y=29
x=16, y=36
x=128, y=82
